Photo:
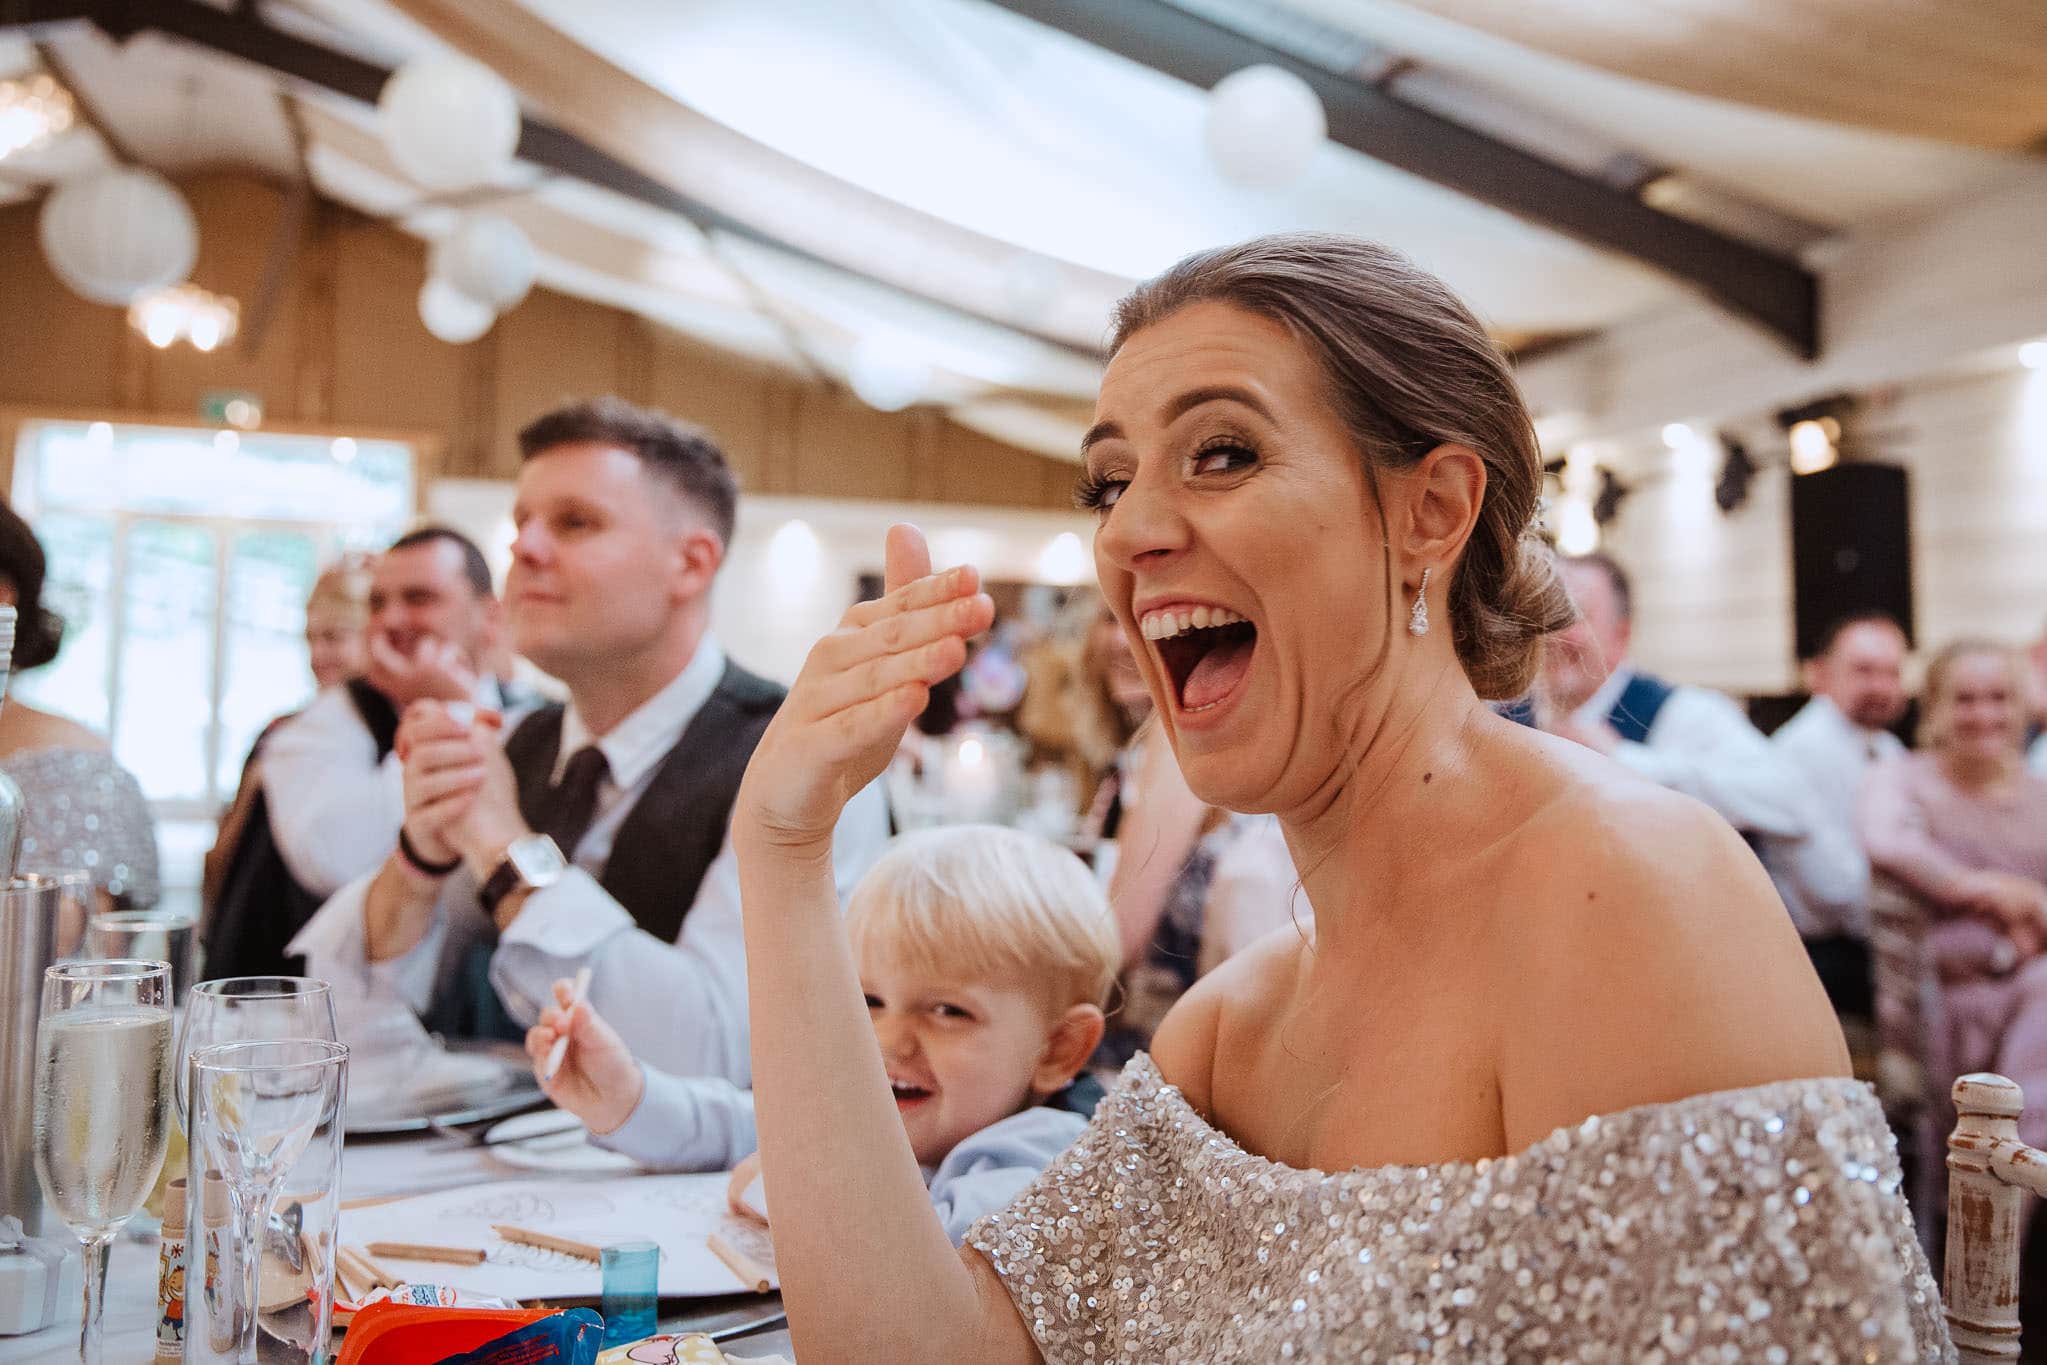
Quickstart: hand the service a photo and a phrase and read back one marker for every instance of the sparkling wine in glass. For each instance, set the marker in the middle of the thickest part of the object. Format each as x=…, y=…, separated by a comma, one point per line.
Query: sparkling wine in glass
x=102, y=1105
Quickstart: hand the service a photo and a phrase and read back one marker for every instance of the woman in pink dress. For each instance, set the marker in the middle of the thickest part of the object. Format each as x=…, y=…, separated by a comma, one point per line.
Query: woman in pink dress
x=1963, y=826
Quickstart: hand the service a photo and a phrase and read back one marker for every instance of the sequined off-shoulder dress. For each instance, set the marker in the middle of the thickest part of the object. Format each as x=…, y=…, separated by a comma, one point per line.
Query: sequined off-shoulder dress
x=1753, y=1225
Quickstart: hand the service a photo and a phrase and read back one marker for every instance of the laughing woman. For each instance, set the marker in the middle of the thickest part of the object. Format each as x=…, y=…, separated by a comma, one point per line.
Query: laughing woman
x=1551, y=1077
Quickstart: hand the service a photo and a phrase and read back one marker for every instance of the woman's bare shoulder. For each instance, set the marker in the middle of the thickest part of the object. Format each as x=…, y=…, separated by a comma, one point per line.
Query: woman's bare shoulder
x=1244, y=988
x=1646, y=957
x=23, y=727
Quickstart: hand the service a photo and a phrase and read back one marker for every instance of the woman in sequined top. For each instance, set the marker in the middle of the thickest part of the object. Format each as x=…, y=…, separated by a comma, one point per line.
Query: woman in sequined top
x=1552, y=1077
x=83, y=811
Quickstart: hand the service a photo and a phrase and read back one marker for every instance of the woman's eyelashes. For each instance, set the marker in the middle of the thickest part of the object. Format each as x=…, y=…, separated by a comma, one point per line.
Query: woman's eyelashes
x=1219, y=455
x=1223, y=455
x=1095, y=493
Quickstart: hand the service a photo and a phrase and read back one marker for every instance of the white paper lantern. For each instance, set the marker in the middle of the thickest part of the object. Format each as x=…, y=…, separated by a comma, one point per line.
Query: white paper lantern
x=887, y=378
x=452, y=315
x=1264, y=124
x=488, y=258
x=449, y=123
x=118, y=233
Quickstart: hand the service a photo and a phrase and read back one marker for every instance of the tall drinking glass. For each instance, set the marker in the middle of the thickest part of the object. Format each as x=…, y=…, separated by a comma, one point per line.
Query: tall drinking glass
x=150, y=936
x=102, y=1105
x=268, y=1117
x=251, y=1009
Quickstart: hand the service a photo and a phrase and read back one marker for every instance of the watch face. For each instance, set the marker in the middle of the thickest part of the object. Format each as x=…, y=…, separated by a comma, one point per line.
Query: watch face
x=537, y=861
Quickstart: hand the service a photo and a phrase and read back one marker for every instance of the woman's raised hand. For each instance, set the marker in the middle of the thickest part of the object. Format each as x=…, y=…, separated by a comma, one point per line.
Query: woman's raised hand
x=860, y=688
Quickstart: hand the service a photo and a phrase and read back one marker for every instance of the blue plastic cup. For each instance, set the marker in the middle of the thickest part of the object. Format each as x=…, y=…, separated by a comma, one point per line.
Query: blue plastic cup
x=632, y=1284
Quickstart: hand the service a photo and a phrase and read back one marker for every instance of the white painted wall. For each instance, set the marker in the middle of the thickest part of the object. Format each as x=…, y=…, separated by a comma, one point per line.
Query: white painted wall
x=1714, y=591
x=794, y=562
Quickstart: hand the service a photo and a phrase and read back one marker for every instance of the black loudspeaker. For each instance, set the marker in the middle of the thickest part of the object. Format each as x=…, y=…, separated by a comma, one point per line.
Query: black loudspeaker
x=1851, y=548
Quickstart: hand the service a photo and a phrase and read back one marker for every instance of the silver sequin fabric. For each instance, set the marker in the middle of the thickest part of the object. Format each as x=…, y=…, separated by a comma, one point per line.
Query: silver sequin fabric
x=86, y=813
x=1754, y=1225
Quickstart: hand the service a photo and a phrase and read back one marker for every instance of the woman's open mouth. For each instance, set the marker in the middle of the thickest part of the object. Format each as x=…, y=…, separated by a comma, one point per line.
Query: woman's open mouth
x=1206, y=652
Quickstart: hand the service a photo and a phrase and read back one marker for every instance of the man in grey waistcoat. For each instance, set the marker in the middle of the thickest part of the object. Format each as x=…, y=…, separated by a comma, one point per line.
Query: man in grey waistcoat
x=596, y=833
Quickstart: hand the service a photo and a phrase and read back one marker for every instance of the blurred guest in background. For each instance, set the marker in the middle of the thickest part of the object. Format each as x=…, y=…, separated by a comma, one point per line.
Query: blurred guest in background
x=1689, y=739
x=84, y=812
x=337, y=615
x=2036, y=754
x=595, y=834
x=1963, y=826
x=330, y=779
x=1857, y=683
x=337, y=619
x=331, y=798
x=1085, y=702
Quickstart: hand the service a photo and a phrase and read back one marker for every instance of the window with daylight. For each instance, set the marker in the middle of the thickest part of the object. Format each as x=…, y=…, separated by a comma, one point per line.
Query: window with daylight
x=180, y=559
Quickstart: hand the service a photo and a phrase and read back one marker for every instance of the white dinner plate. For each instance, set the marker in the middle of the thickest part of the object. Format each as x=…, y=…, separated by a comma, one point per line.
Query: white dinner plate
x=552, y=1149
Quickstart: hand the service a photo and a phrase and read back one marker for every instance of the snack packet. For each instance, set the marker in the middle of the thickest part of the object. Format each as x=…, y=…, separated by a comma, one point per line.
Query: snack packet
x=570, y=1337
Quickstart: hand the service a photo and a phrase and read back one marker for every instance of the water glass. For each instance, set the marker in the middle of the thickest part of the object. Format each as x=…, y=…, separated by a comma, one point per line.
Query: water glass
x=78, y=899
x=267, y=1116
x=250, y=1009
x=151, y=935
x=102, y=1105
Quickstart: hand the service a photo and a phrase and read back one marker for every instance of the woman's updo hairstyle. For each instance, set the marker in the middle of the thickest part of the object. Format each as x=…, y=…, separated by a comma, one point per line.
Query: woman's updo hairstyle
x=1409, y=369
x=38, y=631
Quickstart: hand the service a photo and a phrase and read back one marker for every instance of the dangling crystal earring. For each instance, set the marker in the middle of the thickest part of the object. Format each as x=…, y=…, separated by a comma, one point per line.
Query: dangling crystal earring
x=1418, y=619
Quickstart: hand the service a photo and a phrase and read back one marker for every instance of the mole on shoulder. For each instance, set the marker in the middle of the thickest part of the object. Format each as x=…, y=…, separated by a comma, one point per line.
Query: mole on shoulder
x=1427, y=778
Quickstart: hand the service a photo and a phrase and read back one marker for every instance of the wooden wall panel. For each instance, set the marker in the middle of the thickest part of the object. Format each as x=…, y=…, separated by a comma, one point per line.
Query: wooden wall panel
x=1714, y=591
x=844, y=449
x=388, y=370
x=735, y=401
x=551, y=349
x=55, y=348
x=231, y=263
x=344, y=349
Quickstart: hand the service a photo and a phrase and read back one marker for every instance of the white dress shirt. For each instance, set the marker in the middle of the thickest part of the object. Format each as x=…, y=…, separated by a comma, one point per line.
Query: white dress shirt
x=1824, y=878
x=1703, y=745
x=334, y=807
x=679, y=1006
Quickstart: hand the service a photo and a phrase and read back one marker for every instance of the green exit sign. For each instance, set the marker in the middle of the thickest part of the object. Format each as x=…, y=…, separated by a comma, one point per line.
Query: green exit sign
x=231, y=408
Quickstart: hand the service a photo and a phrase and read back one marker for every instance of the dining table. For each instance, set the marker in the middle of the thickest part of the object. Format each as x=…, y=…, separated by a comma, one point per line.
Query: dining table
x=372, y=1169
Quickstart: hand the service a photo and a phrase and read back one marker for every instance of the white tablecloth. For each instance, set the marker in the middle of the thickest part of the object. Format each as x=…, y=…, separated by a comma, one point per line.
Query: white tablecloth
x=368, y=1170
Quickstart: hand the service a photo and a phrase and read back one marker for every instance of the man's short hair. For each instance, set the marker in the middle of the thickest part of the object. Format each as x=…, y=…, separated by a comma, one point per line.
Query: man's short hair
x=1843, y=624
x=1623, y=590
x=685, y=455
x=475, y=567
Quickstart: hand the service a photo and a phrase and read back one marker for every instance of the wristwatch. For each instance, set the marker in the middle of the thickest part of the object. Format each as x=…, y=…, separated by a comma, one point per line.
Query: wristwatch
x=529, y=864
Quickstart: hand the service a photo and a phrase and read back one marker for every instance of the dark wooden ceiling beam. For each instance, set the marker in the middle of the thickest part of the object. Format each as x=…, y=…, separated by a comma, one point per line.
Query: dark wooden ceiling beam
x=250, y=39
x=1771, y=290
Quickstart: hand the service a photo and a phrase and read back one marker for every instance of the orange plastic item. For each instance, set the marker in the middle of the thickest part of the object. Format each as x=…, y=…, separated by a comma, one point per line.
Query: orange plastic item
x=406, y=1334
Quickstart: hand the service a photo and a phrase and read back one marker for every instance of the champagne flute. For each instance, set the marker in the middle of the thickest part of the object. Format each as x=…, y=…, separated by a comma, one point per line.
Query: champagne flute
x=250, y=1009
x=257, y=1110
x=102, y=1105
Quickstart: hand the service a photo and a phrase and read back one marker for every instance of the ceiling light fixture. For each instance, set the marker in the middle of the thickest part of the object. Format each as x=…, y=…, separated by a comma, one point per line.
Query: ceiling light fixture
x=2033, y=355
x=32, y=111
x=188, y=313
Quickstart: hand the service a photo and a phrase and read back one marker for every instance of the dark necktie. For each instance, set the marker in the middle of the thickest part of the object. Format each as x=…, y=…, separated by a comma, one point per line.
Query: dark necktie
x=571, y=804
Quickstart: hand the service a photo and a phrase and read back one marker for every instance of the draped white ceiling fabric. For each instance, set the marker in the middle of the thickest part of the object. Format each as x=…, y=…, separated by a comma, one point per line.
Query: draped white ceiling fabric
x=970, y=190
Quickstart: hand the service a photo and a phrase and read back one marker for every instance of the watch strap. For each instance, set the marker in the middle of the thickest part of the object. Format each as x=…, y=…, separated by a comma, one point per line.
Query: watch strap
x=503, y=880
